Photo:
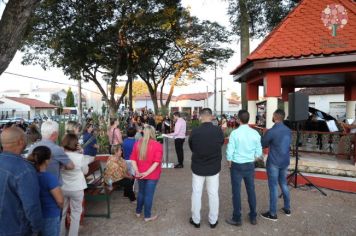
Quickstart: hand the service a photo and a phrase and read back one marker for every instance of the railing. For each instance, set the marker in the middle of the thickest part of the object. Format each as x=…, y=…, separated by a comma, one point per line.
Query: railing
x=338, y=144
x=335, y=143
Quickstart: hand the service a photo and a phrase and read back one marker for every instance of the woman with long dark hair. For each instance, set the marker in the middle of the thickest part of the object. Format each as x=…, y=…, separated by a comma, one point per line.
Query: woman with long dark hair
x=90, y=146
x=50, y=192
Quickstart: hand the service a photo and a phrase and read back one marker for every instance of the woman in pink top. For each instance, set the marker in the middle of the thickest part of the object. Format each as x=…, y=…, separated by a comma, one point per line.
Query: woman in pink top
x=114, y=133
x=146, y=160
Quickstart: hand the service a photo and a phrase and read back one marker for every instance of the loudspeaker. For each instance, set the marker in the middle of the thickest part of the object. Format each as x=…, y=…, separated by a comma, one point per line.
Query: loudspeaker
x=298, y=107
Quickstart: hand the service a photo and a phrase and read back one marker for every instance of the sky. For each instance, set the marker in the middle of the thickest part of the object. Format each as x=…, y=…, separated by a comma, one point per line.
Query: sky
x=213, y=10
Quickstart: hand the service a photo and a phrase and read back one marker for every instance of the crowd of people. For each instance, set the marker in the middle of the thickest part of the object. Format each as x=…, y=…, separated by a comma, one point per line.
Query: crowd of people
x=41, y=180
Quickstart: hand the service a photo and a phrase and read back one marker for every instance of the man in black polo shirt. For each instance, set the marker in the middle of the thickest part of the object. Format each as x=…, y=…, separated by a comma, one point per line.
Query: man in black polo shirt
x=206, y=142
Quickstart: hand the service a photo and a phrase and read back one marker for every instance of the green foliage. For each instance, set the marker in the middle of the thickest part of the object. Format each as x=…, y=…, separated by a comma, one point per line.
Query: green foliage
x=70, y=98
x=156, y=40
x=264, y=15
x=60, y=109
x=103, y=109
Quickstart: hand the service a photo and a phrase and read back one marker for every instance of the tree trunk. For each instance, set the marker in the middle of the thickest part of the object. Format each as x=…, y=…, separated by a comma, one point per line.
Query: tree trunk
x=80, y=102
x=130, y=78
x=14, y=21
x=245, y=44
x=113, y=107
x=153, y=93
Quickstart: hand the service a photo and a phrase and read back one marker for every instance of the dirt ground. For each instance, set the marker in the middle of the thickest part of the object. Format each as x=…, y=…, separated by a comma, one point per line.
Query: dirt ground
x=312, y=213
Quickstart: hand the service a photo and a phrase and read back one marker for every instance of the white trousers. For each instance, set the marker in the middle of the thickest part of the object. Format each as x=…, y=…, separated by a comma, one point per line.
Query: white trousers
x=74, y=200
x=212, y=187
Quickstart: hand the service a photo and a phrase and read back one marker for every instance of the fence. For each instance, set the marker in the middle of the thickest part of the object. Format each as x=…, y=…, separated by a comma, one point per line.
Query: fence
x=339, y=144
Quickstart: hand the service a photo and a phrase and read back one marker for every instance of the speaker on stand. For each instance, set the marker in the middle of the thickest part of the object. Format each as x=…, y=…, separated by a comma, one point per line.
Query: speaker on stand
x=298, y=112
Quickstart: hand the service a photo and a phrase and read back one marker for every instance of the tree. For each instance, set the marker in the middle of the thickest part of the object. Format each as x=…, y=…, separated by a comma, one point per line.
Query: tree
x=55, y=99
x=84, y=38
x=254, y=19
x=13, y=23
x=151, y=39
x=138, y=88
x=70, y=98
x=179, y=48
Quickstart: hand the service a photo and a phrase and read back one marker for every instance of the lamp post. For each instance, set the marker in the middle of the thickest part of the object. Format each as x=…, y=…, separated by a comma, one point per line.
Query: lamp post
x=215, y=79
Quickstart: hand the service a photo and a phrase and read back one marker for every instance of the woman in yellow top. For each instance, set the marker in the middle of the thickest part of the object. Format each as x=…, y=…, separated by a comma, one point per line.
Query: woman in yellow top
x=116, y=171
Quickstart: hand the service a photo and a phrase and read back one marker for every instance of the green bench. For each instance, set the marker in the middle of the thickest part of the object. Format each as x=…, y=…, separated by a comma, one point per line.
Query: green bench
x=97, y=190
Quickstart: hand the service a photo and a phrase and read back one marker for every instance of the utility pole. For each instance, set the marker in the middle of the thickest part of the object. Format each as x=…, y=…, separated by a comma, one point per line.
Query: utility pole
x=222, y=95
x=215, y=90
x=80, y=100
x=207, y=96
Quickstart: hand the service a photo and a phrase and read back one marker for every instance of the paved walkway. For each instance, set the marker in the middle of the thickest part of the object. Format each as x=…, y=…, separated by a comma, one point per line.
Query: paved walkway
x=312, y=213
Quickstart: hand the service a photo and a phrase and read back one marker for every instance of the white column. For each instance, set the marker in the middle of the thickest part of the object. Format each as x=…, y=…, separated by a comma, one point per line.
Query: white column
x=272, y=105
x=286, y=108
x=350, y=109
x=252, y=109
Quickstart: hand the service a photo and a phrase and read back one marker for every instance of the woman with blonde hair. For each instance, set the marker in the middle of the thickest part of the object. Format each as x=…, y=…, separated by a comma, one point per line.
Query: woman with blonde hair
x=146, y=160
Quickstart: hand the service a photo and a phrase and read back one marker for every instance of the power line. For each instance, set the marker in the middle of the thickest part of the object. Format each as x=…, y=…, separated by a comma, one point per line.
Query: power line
x=45, y=80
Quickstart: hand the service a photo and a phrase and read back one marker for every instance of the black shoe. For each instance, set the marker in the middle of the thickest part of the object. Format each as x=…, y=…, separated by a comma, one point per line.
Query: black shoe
x=178, y=166
x=286, y=211
x=268, y=216
x=253, y=221
x=232, y=222
x=213, y=226
x=194, y=224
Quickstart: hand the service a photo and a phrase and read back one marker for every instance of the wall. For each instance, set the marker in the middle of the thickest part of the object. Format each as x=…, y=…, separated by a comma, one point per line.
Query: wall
x=322, y=102
x=21, y=110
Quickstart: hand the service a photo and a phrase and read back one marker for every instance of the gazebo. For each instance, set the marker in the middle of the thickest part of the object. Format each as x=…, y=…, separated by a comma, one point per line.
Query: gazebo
x=314, y=46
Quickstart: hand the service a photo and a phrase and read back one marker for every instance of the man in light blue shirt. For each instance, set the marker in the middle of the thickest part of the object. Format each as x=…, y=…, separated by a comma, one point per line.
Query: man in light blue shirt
x=243, y=148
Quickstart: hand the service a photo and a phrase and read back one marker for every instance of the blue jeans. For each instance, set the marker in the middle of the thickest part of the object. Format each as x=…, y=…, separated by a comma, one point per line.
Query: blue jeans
x=245, y=171
x=146, y=190
x=51, y=226
x=277, y=176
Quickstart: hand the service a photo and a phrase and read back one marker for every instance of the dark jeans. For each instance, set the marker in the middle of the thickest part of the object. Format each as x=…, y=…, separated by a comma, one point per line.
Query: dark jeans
x=178, y=142
x=128, y=188
x=245, y=171
x=277, y=176
x=146, y=190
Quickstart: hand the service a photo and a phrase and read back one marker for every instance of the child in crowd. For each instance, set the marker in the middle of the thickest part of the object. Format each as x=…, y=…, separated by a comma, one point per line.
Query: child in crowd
x=50, y=192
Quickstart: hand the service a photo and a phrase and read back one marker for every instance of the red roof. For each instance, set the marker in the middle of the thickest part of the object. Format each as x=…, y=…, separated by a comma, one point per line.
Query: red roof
x=194, y=96
x=303, y=33
x=34, y=103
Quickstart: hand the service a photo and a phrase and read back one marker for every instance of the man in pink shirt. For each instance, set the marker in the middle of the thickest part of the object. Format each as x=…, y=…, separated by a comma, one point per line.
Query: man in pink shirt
x=180, y=129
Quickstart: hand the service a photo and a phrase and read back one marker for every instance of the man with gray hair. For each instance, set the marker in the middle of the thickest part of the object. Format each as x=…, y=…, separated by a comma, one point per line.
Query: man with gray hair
x=49, y=132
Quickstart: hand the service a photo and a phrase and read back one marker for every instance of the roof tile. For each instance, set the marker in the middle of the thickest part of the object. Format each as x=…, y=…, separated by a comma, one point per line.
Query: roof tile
x=33, y=103
x=302, y=32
